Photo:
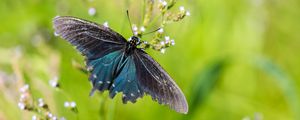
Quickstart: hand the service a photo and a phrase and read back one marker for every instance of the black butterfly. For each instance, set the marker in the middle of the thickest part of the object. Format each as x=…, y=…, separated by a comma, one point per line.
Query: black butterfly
x=118, y=65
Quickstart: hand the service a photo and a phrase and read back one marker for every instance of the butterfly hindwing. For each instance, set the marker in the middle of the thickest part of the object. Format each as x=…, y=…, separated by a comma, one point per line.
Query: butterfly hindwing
x=127, y=82
x=116, y=72
x=155, y=81
x=103, y=70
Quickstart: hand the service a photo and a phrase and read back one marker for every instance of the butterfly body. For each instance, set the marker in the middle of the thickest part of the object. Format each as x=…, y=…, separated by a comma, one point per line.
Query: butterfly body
x=132, y=44
x=118, y=65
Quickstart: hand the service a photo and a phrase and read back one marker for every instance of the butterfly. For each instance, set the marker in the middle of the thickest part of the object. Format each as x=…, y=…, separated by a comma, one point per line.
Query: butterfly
x=118, y=65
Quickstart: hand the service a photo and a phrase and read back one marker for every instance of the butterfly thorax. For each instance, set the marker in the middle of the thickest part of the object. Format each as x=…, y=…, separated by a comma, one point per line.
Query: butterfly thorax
x=132, y=43
x=134, y=40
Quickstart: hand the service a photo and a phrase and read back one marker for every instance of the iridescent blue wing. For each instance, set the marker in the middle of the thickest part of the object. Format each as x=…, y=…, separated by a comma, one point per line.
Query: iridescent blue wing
x=126, y=81
x=104, y=70
x=116, y=72
x=91, y=39
x=155, y=81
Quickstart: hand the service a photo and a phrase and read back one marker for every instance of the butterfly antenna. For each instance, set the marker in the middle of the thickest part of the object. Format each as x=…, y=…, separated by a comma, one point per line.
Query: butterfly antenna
x=129, y=22
x=151, y=31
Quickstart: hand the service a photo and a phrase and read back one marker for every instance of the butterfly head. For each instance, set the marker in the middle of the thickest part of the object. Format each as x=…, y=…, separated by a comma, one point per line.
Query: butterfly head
x=134, y=40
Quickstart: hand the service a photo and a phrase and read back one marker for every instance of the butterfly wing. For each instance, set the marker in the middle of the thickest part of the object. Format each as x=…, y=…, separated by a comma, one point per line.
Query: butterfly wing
x=127, y=82
x=91, y=39
x=102, y=47
x=104, y=70
x=155, y=81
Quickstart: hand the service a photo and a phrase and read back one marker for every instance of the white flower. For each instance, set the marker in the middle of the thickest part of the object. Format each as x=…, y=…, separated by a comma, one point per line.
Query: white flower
x=89, y=68
x=49, y=114
x=92, y=11
x=73, y=104
x=172, y=42
x=105, y=24
x=163, y=2
x=134, y=28
x=161, y=30
x=55, y=34
x=34, y=117
x=162, y=50
x=162, y=43
x=143, y=29
x=62, y=118
x=41, y=102
x=135, y=33
x=181, y=8
x=23, y=97
x=54, y=118
x=53, y=82
x=21, y=105
x=24, y=88
x=67, y=104
x=187, y=13
x=167, y=38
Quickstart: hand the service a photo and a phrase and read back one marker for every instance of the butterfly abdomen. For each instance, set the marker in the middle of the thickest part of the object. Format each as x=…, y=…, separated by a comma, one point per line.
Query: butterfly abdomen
x=129, y=50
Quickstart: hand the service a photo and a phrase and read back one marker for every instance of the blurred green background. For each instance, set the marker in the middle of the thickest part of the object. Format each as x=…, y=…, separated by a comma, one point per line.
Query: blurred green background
x=234, y=60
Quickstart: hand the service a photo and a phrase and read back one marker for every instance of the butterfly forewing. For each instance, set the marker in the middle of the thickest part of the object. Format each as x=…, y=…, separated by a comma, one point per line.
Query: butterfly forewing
x=91, y=39
x=102, y=47
x=154, y=80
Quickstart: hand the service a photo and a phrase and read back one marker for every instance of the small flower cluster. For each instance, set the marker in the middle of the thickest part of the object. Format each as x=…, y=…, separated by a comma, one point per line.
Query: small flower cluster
x=39, y=107
x=162, y=45
x=24, y=98
x=162, y=5
x=183, y=11
x=50, y=116
x=138, y=31
x=42, y=104
x=160, y=41
x=54, y=82
x=71, y=105
x=178, y=16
